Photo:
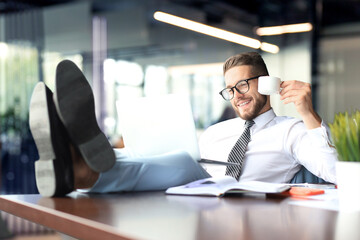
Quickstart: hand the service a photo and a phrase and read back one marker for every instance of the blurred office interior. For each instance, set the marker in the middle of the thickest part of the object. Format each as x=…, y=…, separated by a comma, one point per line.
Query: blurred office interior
x=126, y=53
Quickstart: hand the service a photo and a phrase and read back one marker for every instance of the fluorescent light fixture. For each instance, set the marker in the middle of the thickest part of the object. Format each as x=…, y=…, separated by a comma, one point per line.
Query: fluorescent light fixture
x=208, y=30
x=277, y=30
x=267, y=47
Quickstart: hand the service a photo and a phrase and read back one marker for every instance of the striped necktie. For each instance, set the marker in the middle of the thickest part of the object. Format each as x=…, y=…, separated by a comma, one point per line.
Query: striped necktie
x=238, y=151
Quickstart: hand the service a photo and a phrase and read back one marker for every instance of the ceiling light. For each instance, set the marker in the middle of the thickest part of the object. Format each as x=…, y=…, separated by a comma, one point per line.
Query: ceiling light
x=208, y=30
x=267, y=47
x=277, y=30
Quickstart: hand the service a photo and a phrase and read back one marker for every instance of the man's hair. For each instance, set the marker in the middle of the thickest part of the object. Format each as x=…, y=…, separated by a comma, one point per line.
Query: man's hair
x=252, y=59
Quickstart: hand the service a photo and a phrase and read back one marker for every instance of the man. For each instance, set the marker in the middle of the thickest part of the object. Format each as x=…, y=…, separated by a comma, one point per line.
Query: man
x=279, y=145
x=75, y=154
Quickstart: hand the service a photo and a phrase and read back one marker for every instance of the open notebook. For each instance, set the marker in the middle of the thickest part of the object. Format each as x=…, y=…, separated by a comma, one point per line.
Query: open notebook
x=158, y=125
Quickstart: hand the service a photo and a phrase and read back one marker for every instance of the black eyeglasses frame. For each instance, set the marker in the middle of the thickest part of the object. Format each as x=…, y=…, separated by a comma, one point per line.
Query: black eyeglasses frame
x=232, y=88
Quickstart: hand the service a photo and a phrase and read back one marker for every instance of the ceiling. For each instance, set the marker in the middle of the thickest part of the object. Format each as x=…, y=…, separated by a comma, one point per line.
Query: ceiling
x=255, y=12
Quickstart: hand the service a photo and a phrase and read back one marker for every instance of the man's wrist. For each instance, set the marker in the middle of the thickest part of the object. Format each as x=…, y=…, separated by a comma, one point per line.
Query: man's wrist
x=312, y=120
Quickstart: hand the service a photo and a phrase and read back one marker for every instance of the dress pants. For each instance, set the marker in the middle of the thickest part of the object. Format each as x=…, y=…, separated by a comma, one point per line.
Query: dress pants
x=136, y=173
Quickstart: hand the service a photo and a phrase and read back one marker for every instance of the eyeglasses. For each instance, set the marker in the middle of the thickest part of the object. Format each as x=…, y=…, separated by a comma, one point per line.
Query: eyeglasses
x=241, y=87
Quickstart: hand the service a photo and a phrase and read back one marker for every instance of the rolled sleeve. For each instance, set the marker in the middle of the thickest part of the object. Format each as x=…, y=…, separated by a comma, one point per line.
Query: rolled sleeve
x=321, y=136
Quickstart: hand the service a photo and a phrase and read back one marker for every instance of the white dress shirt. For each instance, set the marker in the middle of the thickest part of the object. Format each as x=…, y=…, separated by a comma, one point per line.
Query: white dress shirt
x=276, y=151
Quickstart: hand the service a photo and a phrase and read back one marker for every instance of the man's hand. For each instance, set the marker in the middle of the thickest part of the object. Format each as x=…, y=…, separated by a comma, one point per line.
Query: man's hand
x=299, y=93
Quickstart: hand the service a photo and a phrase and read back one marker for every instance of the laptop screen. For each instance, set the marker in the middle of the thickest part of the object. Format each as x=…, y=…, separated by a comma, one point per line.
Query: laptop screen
x=158, y=125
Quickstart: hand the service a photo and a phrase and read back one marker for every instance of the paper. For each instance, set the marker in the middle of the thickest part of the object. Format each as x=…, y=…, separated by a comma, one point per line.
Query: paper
x=219, y=186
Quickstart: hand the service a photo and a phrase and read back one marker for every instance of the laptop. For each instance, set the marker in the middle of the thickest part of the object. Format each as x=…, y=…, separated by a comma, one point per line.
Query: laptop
x=160, y=124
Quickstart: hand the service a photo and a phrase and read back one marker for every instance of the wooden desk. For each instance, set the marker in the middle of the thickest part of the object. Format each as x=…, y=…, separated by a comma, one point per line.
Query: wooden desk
x=154, y=215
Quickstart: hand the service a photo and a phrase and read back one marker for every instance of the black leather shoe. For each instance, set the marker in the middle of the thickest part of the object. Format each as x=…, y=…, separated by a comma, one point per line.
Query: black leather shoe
x=54, y=169
x=75, y=105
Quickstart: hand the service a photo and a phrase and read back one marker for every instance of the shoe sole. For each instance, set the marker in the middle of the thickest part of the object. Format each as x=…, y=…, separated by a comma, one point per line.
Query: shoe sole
x=52, y=177
x=76, y=107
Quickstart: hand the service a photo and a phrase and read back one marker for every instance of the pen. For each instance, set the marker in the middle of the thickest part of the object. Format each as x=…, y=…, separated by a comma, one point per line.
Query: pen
x=203, y=160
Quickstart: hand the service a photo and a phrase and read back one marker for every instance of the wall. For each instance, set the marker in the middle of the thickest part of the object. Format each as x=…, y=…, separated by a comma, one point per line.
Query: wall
x=67, y=28
x=339, y=85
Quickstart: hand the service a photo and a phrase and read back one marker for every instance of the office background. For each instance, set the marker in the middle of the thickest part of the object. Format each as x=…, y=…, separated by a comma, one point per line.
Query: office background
x=125, y=53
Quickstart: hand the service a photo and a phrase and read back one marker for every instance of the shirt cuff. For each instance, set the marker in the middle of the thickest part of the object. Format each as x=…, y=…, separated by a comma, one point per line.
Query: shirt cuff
x=321, y=136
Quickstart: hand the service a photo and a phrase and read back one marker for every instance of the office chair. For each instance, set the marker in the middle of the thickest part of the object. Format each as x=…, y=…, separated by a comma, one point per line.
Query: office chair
x=305, y=176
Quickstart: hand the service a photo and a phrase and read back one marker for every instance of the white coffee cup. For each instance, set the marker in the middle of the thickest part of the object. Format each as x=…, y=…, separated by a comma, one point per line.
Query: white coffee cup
x=268, y=85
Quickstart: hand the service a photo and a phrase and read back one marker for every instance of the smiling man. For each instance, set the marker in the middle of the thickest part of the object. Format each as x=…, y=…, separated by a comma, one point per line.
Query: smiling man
x=278, y=146
x=75, y=154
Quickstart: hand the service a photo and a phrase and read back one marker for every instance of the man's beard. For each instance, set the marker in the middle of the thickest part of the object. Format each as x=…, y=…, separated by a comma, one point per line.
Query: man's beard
x=259, y=105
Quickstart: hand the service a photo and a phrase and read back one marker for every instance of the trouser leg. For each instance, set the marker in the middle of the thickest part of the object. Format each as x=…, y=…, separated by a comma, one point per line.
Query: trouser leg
x=149, y=173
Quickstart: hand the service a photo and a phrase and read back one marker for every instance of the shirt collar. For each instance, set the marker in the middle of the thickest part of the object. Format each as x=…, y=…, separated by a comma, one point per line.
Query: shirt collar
x=263, y=119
